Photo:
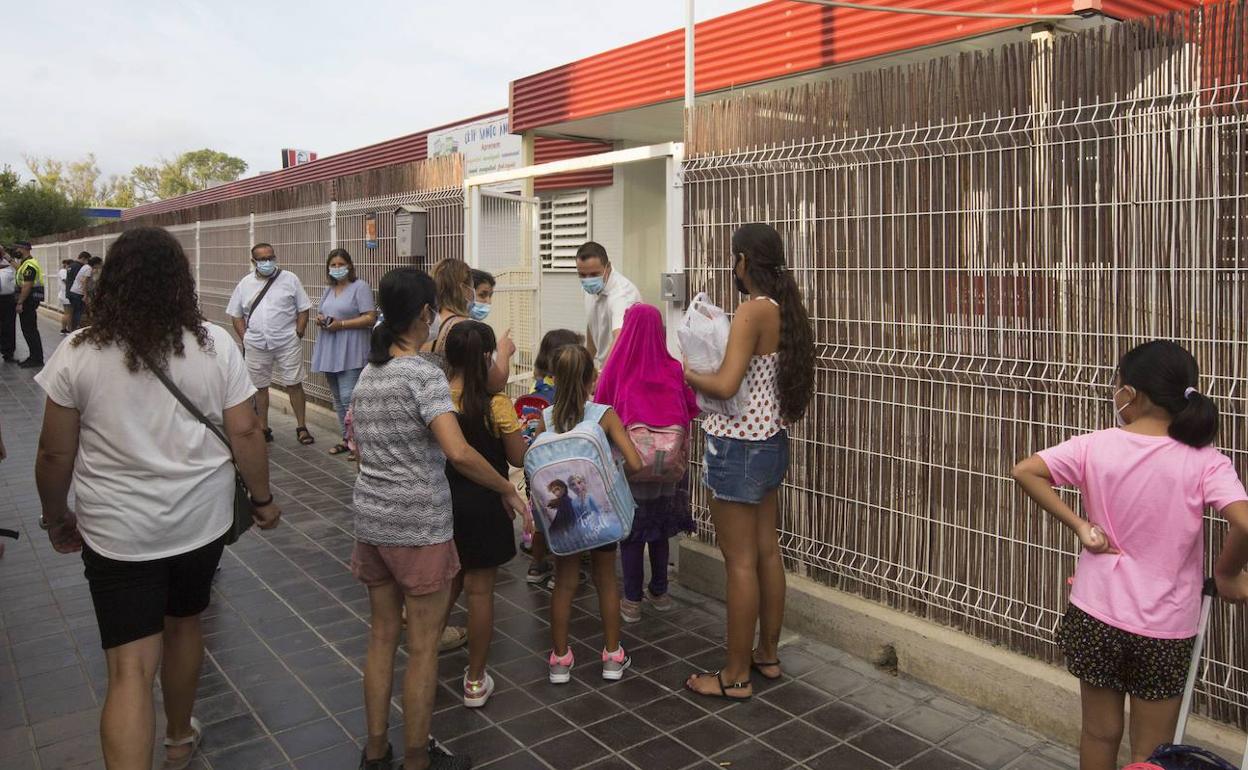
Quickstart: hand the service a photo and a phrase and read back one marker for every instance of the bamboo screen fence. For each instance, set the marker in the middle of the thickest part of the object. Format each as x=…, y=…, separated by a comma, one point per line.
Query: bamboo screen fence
x=978, y=238
x=303, y=224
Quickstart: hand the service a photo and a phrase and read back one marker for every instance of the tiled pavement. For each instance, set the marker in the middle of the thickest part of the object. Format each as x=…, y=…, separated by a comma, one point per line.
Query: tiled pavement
x=287, y=636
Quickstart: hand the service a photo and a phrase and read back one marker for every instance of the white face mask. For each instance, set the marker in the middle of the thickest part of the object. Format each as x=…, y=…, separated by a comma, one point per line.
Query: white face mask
x=435, y=326
x=1113, y=401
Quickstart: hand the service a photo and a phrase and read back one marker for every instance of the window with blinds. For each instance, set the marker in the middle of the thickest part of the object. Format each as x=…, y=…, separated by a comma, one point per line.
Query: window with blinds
x=565, y=225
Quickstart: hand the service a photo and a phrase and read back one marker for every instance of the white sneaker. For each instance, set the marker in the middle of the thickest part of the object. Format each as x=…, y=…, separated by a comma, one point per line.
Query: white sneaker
x=561, y=668
x=477, y=693
x=614, y=664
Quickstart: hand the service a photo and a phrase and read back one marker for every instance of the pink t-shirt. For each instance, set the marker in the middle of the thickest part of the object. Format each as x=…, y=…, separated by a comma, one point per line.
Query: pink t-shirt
x=1149, y=494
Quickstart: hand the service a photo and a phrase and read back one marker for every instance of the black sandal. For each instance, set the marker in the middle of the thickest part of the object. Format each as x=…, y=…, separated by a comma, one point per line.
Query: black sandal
x=304, y=436
x=268, y=435
x=339, y=449
x=758, y=666
x=723, y=688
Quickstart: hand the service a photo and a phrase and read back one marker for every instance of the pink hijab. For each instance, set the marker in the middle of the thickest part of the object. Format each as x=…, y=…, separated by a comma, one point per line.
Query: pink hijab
x=641, y=380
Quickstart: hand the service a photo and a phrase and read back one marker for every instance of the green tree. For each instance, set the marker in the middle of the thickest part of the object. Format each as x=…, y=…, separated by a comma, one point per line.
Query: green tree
x=80, y=181
x=186, y=173
x=31, y=210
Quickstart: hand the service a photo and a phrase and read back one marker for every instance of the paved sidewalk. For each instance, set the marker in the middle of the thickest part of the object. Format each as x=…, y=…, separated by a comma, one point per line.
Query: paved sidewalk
x=287, y=636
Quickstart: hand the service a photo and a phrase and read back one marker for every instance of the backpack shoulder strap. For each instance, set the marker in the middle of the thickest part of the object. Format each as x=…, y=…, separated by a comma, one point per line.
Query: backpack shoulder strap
x=594, y=412
x=263, y=291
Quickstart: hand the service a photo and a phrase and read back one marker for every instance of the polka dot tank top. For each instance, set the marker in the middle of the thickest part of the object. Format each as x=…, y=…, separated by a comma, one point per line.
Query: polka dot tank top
x=761, y=419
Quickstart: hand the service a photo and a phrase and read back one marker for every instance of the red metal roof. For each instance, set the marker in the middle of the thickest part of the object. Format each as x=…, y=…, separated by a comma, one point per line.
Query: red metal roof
x=772, y=40
x=388, y=153
x=546, y=149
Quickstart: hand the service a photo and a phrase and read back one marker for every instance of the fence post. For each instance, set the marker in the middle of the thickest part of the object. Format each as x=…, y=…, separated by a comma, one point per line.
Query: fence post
x=251, y=229
x=198, y=257
x=333, y=225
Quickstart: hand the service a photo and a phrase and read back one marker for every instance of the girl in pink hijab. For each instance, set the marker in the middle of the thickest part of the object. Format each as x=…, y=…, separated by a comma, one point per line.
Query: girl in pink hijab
x=645, y=385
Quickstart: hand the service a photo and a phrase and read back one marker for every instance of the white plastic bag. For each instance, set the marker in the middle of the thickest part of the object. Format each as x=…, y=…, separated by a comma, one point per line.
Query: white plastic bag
x=703, y=338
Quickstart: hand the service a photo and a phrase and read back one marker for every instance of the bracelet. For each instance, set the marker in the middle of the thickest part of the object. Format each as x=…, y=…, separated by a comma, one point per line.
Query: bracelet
x=262, y=503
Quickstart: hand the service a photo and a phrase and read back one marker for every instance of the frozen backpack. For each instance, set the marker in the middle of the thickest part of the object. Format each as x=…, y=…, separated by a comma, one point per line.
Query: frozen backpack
x=664, y=452
x=580, y=496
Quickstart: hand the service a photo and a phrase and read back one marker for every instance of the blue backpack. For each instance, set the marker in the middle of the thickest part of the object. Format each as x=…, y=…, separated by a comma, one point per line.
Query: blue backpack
x=581, y=498
x=1172, y=757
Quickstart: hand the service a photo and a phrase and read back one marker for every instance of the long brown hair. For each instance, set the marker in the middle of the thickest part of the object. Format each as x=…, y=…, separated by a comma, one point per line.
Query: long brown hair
x=467, y=345
x=452, y=276
x=573, y=370
x=763, y=249
x=148, y=263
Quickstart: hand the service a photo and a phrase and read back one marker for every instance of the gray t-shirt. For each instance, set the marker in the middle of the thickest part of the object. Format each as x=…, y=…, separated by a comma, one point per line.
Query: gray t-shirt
x=401, y=494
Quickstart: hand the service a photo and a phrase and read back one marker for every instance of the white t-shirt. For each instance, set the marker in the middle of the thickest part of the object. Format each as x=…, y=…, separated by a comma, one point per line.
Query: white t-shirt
x=150, y=481
x=60, y=282
x=605, y=312
x=80, y=281
x=272, y=326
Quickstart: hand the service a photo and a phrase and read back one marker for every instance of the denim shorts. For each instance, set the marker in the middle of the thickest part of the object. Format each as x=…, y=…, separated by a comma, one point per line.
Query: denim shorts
x=739, y=471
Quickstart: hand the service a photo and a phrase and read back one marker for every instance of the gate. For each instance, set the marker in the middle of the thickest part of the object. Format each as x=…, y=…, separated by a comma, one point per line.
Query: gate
x=503, y=240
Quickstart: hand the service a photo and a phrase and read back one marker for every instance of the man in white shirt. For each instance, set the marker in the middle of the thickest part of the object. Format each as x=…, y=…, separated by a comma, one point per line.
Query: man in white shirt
x=609, y=295
x=8, y=305
x=269, y=309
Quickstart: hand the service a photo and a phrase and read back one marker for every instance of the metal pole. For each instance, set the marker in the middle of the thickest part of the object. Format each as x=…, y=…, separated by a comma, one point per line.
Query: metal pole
x=690, y=86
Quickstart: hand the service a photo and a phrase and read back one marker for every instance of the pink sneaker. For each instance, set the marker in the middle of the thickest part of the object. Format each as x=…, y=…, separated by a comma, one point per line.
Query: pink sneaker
x=561, y=667
x=614, y=664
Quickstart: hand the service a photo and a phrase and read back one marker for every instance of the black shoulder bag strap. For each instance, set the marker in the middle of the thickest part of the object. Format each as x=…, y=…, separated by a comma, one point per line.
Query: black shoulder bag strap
x=254, y=304
x=190, y=407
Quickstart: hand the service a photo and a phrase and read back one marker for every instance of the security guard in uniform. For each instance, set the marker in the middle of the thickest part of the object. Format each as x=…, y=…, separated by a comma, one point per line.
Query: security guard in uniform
x=30, y=297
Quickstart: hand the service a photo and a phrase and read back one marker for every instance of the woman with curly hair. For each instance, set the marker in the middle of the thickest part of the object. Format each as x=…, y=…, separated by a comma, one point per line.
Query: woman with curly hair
x=154, y=487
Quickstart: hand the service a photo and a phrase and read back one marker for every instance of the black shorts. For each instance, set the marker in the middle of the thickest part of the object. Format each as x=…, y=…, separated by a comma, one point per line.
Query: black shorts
x=132, y=598
x=1108, y=657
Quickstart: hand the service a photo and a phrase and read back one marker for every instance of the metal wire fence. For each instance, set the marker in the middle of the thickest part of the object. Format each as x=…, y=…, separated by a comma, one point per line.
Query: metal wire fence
x=220, y=249
x=978, y=239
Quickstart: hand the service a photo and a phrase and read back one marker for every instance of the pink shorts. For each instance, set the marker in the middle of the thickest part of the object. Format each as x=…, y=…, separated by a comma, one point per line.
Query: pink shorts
x=418, y=569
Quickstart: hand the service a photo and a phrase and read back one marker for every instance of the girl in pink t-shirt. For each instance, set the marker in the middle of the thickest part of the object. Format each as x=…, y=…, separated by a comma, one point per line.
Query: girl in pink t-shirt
x=1135, y=602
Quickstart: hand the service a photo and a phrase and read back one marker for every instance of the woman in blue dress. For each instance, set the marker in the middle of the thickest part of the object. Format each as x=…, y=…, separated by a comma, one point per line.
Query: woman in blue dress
x=344, y=319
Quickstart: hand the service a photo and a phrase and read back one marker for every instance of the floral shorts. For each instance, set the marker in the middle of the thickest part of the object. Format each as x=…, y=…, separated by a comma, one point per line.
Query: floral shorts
x=1108, y=657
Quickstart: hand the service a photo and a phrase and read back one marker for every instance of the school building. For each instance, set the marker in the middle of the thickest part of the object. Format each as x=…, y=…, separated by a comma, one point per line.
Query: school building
x=982, y=212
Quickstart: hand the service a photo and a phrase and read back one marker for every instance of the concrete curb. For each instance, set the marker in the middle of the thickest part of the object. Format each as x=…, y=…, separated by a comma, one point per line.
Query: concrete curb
x=1036, y=695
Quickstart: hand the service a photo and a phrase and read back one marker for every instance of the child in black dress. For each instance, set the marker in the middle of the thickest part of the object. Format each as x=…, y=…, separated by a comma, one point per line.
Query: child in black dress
x=484, y=535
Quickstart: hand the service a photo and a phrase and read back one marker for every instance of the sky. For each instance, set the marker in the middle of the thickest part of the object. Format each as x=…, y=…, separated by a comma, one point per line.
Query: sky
x=133, y=81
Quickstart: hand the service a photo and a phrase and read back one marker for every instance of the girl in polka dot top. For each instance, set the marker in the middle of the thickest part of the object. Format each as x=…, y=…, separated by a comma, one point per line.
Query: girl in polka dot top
x=771, y=356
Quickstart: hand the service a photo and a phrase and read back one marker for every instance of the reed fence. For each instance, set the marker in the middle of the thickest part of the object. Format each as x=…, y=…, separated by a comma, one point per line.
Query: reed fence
x=978, y=239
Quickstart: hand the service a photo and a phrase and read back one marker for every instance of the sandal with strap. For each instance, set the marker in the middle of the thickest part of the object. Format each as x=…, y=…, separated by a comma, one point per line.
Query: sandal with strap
x=195, y=738
x=304, y=436
x=268, y=435
x=338, y=449
x=723, y=688
x=759, y=665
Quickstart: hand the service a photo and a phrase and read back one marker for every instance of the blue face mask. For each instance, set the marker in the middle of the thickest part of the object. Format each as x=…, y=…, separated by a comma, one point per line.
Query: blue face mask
x=338, y=273
x=478, y=311
x=265, y=266
x=593, y=285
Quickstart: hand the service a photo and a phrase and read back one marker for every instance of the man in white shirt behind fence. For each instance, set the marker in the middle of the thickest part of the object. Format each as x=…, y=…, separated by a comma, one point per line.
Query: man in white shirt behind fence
x=269, y=309
x=608, y=295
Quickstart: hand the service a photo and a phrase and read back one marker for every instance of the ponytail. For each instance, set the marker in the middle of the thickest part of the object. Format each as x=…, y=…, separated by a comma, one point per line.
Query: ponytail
x=1166, y=373
x=573, y=370
x=1196, y=424
x=402, y=297
x=763, y=250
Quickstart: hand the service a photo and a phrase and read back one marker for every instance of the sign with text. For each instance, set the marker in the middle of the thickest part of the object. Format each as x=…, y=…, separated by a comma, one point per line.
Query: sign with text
x=296, y=157
x=370, y=231
x=485, y=144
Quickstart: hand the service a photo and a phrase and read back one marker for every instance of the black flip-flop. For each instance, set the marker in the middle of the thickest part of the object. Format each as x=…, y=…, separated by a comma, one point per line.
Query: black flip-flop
x=758, y=665
x=304, y=435
x=723, y=688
